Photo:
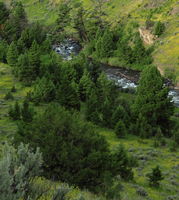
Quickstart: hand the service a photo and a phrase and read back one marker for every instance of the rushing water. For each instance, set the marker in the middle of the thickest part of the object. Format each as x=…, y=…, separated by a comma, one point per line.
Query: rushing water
x=124, y=78
x=67, y=49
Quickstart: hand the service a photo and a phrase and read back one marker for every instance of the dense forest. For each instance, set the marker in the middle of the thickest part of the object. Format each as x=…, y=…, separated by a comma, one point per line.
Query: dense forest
x=68, y=102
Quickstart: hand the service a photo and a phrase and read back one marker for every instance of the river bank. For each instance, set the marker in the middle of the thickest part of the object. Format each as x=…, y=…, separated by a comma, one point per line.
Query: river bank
x=123, y=77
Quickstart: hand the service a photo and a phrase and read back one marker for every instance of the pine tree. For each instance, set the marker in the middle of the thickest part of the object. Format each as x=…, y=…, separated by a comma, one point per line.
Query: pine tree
x=80, y=152
x=104, y=44
x=139, y=52
x=34, y=59
x=120, y=129
x=152, y=101
x=85, y=85
x=107, y=44
x=44, y=90
x=12, y=54
x=155, y=177
x=122, y=163
x=91, y=111
x=26, y=112
x=79, y=21
x=3, y=51
x=16, y=112
x=23, y=70
x=3, y=13
x=119, y=114
x=63, y=16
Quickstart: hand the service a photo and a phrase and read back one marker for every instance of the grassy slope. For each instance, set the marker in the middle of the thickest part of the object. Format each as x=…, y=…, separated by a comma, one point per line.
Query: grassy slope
x=143, y=149
x=167, y=51
x=166, y=55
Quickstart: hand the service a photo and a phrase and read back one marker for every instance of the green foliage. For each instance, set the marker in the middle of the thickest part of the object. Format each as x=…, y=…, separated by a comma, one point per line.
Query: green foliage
x=34, y=59
x=3, y=51
x=23, y=71
x=120, y=129
x=43, y=91
x=122, y=163
x=12, y=54
x=159, y=28
x=85, y=86
x=15, y=112
x=119, y=114
x=26, y=112
x=104, y=45
x=63, y=19
x=78, y=19
x=3, y=13
x=61, y=193
x=18, y=169
x=9, y=96
x=81, y=155
x=152, y=106
x=15, y=23
x=13, y=89
x=155, y=177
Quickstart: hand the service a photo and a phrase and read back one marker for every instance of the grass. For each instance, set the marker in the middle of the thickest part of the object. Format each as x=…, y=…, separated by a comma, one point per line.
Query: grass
x=159, y=156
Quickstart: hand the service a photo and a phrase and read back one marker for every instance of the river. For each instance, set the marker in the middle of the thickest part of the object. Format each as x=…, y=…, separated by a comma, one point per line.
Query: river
x=124, y=78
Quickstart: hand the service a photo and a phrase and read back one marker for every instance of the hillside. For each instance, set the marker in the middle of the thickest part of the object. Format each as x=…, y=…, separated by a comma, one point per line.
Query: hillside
x=167, y=11
x=143, y=150
x=84, y=113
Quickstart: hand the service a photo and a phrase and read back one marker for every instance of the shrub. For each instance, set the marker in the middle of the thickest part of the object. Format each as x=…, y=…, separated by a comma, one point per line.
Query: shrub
x=155, y=177
x=159, y=28
x=13, y=89
x=9, y=96
x=18, y=169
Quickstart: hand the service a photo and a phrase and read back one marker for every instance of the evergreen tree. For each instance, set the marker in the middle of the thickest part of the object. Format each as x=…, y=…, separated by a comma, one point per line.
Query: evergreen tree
x=98, y=47
x=79, y=21
x=155, y=177
x=23, y=70
x=15, y=112
x=34, y=60
x=152, y=102
x=16, y=23
x=85, y=86
x=12, y=54
x=94, y=70
x=4, y=13
x=124, y=50
x=44, y=90
x=18, y=11
x=26, y=112
x=68, y=95
x=91, y=111
x=63, y=16
x=3, y=51
x=75, y=153
x=119, y=114
x=107, y=44
x=121, y=163
x=120, y=129
x=139, y=52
